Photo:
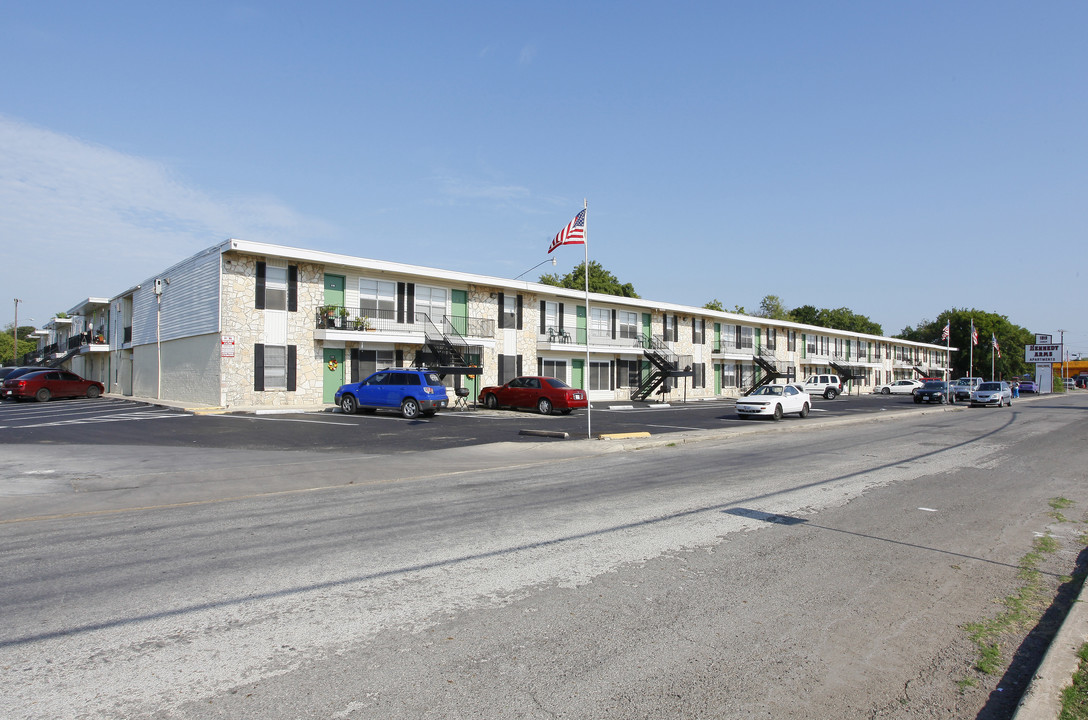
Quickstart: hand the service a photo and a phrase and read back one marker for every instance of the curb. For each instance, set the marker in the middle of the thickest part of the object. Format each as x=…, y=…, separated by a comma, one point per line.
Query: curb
x=1043, y=698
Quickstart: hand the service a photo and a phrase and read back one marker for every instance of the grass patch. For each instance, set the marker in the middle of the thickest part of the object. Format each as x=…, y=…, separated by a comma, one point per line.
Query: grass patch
x=1022, y=609
x=1075, y=697
x=1057, y=505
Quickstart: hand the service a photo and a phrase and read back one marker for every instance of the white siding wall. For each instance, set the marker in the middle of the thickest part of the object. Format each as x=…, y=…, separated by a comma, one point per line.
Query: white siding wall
x=190, y=303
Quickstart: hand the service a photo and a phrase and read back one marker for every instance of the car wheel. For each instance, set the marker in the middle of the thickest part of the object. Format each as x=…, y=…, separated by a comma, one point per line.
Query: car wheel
x=348, y=404
x=777, y=413
x=544, y=405
x=409, y=408
x=886, y=391
x=491, y=402
x=804, y=411
x=917, y=400
x=93, y=391
x=42, y=395
x=830, y=394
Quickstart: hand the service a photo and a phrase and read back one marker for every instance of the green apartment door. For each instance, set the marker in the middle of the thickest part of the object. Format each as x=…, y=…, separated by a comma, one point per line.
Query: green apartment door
x=332, y=373
x=578, y=373
x=334, y=290
x=459, y=308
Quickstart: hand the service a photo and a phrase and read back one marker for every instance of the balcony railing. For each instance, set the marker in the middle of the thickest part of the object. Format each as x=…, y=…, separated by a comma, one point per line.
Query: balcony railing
x=338, y=317
x=731, y=346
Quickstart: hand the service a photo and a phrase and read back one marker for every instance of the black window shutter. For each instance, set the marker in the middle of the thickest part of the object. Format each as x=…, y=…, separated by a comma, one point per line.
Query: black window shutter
x=502, y=308
x=611, y=375
x=502, y=366
x=560, y=317
x=292, y=356
x=614, y=312
x=398, y=357
x=737, y=328
x=539, y=365
x=410, y=303
x=259, y=304
x=355, y=365
x=292, y=288
x=258, y=365
x=676, y=328
x=543, y=313
x=519, y=317
x=400, y=302
x=519, y=365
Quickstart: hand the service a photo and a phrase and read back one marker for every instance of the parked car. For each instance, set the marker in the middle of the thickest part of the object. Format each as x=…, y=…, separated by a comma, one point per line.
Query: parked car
x=899, y=387
x=14, y=372
x=1068, y=383
x=827, y=385
x=543, y=393
x=44, y=384
x=992, y=393
x=413, y=392
x=964, y=386
x=1028, y=385
x=937, y=391
x=774, y=401
x=1081, y=381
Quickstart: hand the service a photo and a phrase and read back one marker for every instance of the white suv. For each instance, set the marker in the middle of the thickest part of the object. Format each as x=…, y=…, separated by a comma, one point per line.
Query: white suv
x=827, y=385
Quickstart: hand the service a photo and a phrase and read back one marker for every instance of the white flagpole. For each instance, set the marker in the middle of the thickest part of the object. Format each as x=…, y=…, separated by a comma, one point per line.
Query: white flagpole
x=971, y=354
x=586, y=374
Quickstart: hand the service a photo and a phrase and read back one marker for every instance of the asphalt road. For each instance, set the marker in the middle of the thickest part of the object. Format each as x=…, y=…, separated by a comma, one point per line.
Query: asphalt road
x=96, y=421
x=816, y=569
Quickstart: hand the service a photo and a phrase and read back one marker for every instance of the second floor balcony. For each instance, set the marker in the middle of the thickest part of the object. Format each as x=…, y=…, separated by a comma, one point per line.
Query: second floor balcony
x=349, y=323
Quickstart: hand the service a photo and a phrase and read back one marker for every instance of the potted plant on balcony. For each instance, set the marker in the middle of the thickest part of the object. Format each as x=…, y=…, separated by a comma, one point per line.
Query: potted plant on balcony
x=342, y=314
x=362, y=323
x=326, y=315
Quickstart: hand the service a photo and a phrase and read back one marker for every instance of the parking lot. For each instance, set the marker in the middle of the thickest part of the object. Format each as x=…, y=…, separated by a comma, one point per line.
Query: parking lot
x=115, y=421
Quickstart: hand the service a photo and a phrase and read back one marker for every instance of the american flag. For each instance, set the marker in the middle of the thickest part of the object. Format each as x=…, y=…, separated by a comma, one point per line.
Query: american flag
x=993, y=341
x=573, y=234
x=974, y=333
x=947, y=330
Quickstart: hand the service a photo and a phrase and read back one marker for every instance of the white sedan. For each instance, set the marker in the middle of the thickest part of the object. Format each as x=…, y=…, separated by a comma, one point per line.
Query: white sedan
x=774, y=401
x=899, y=387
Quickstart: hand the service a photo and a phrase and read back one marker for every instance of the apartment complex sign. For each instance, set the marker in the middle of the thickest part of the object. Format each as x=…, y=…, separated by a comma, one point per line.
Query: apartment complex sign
x=1043, y=354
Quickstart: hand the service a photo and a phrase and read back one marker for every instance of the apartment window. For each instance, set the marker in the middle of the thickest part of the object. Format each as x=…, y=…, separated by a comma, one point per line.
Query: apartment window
x=729, y=375
x=509, y=368
x=698, y=378
x=810, y=344
x=549, y=317
x=600, y=376
x=377, y=298
x=772, y=339
x=747, y=335
x=628, y=325
x=554, y=368
x=431, y=301
x=698, y=331
x=791, y=340
x=628, y=373
x=273, y=367
x=600, y=322
x=275, y=288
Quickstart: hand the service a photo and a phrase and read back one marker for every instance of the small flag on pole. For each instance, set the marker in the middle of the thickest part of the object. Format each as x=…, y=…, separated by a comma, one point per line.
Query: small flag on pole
x=947, y=330
x=993, y=341
x=573, y=234
x=974, y=333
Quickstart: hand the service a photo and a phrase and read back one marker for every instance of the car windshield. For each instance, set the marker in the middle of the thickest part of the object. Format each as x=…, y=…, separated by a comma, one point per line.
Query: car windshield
x=769, y=390
x=934, y=385
x=989, y=386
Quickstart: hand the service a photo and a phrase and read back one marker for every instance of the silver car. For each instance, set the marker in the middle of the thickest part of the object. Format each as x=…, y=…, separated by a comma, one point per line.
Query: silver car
x=991, y=393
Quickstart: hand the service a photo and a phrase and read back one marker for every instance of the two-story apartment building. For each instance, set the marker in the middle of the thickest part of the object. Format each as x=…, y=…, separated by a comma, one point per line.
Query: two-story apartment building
x=253, y=324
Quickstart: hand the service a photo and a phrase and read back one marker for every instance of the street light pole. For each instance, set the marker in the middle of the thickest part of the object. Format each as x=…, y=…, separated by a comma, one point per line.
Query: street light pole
x=15, y=334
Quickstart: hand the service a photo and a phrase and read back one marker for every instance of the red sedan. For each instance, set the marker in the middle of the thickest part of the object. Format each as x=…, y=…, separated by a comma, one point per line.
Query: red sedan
x=544, y=393
x=47, y=384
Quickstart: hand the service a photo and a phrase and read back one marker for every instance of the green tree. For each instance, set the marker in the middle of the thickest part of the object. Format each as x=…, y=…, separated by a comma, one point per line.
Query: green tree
x=600, y=280
x=1010, y=337
x=715, y=304
x=771, y=307
x=837, y=318
x=25, y=345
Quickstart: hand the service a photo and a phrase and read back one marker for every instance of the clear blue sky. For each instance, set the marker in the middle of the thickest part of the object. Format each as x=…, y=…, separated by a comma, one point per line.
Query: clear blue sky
x=898, y=159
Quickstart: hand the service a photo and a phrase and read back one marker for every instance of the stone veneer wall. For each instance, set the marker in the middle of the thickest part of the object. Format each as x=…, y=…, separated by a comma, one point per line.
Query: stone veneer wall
x=240, y=319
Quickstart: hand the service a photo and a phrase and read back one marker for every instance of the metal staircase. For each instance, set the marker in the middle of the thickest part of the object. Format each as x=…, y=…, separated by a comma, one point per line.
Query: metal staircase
x=666, y=364
x=770, y=368
x=848, y=371
x=445, y=350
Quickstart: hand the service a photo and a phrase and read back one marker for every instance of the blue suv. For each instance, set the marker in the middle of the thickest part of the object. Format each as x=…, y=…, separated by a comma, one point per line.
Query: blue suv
x=414, y=392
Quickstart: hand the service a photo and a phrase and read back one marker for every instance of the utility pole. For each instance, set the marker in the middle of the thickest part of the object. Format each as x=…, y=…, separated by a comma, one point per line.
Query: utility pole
x=15, y=335
x=1061, y=363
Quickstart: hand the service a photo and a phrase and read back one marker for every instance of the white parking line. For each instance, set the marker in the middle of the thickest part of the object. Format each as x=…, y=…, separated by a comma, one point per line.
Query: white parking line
x=674, y=427
x=274, y=419
x=102, y=419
